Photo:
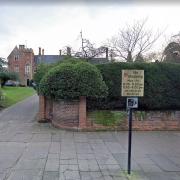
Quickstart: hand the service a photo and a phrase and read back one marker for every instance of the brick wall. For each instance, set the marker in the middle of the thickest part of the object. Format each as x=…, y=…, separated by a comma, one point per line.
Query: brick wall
x=49, y=109
x=82, y=113
x=152, y=120
x=42, y=109
x=72, y=115
x=63, y=114
x=158, y=120
x=66, y=113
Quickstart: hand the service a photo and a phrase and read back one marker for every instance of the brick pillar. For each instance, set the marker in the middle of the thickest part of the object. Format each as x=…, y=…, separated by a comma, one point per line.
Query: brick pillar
x=49, y=109
x=82, y=112
x=42, y=109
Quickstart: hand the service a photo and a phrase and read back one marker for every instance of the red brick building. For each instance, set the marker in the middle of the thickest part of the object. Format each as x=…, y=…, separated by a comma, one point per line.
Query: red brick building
x=21, y=60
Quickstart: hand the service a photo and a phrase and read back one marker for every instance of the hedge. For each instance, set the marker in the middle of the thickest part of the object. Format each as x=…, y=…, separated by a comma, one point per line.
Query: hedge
x=69, y=80
x=162, y=86
x=43, y=68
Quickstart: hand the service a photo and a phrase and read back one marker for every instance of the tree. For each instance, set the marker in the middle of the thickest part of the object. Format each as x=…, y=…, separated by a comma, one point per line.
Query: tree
x=172, y=52
x=154, y=56
x=2, y=63
x=139, y=58
x=2, y=71
x=133, y=40
x=87, y=49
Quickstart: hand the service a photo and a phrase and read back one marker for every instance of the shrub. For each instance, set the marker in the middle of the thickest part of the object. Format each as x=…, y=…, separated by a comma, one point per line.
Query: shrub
x=162, y=86
x=42, y=69
x=5, y=76
x=69, y=80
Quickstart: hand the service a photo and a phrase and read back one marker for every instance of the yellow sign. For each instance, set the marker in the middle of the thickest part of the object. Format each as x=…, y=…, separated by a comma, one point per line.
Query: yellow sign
x=132, y=83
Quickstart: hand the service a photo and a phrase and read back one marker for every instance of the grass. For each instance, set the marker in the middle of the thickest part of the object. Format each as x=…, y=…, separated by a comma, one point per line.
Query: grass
x=108, y=118
x=13, y=95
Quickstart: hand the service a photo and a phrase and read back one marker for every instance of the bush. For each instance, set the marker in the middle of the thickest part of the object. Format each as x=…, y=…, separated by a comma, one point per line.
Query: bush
x=5, y=76
x=69, y=80
x=162, y=86
x=42, y=69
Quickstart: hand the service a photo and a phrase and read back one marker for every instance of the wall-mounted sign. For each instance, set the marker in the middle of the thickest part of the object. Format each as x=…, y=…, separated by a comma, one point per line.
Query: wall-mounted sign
x=132, y=83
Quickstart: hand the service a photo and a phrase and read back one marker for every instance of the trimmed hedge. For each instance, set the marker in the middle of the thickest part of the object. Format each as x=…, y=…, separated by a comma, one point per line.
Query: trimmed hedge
x=43, y=68
x=162, y=86
x=69, y=80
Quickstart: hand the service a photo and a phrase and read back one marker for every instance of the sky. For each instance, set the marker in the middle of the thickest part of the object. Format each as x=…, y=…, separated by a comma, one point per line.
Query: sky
x=56, y=25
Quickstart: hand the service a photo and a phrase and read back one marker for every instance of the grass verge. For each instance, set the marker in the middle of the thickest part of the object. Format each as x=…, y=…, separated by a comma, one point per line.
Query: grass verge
x=12, y=95
x=108, y=118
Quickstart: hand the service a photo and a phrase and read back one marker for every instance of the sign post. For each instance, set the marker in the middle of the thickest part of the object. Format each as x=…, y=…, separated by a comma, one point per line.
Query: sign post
x=129, y=140
x=132, y=87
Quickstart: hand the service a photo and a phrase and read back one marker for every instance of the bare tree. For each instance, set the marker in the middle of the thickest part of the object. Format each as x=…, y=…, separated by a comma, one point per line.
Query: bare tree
x=133, y=40
x=154, y=56
x=87, y=49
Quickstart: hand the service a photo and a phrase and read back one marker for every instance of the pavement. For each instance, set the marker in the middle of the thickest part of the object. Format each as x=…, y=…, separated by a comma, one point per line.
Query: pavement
x=33, y=151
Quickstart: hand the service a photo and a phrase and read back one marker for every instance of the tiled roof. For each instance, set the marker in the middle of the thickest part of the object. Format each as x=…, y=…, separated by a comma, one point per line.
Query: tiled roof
x=17, y=50
x=48, y=59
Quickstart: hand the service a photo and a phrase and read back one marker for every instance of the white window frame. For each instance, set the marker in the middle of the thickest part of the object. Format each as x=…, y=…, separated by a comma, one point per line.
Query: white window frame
x=27, y=69
x=16, y=57
x=16, y=68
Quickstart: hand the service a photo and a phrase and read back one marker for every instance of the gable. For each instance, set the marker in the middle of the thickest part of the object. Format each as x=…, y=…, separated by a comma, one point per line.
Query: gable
x=14, y=51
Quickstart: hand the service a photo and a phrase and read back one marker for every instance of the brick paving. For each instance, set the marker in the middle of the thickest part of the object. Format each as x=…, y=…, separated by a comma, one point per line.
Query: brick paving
x=33, y=151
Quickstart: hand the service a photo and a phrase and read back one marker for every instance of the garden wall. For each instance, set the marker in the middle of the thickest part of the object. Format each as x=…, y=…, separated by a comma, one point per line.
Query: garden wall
x=150, y=120
x=63, y=114
x=66, y=113
x=72, y=115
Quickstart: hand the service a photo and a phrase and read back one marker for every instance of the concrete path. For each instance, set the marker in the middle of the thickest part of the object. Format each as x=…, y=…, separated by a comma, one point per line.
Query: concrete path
x=32, y=151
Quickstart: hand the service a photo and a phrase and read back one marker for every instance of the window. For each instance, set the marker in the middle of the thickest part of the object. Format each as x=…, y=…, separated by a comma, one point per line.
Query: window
x=16, y=68
x=16, y=57
x=27, y=69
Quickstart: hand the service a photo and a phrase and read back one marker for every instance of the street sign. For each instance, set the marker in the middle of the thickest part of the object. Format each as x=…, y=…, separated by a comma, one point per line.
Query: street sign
x=132, y=83
x=132, y=102
x=132, y=87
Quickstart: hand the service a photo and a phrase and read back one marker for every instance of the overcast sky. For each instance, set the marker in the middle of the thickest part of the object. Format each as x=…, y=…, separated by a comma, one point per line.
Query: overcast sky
x=53, y=26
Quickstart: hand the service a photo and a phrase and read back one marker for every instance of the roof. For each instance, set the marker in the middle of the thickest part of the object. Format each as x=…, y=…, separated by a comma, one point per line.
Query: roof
x=18, y=50
x=47, y=59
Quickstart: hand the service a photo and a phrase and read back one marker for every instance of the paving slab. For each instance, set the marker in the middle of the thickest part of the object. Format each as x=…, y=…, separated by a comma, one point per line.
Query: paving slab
x=33, y=151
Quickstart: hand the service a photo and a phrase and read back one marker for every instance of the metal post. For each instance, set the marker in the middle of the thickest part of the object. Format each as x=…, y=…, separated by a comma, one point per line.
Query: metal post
x=129, y=140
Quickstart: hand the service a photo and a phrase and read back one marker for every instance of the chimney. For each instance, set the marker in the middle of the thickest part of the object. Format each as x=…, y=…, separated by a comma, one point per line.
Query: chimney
x=68, y=51
x=39, y=51
x=60, y=52
x=107, y=53
x=42, y=51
